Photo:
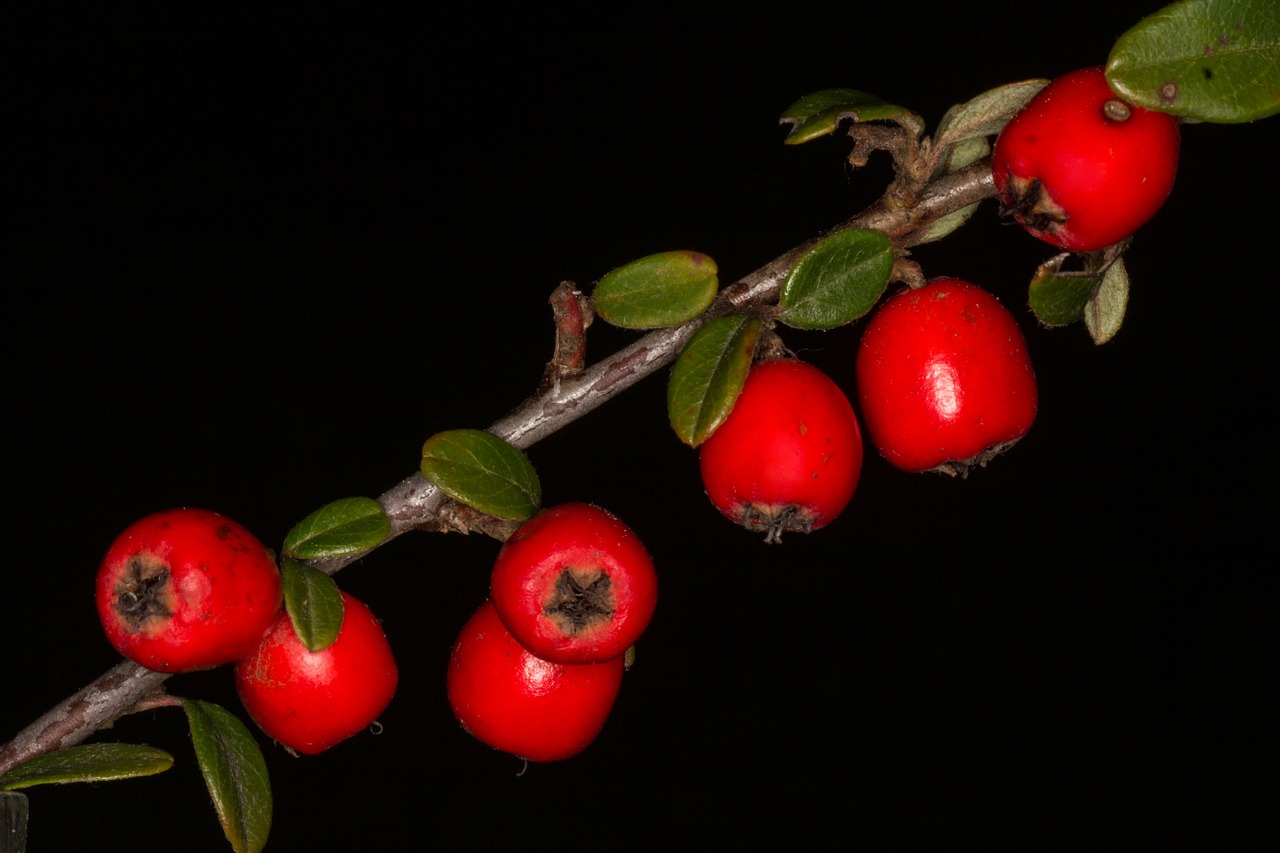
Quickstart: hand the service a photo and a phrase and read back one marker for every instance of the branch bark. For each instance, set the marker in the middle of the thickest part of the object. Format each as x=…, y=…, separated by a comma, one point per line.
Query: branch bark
x=414, y=503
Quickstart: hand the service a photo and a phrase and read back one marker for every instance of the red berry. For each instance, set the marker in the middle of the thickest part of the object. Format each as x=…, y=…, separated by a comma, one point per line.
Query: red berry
x=187, y=589
x=310, y=701
x=1082, y=169
x=574, y=585
x=789, y=455
x=944, y=378
x=513, y=700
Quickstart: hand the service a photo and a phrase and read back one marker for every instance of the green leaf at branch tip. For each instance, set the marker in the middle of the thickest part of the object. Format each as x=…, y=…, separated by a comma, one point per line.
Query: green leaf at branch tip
x=482, y=471
x=708, y=375
x=657, y=291
x=1202, y=60
x=820, y=113
x=234, y=772
x=346, y=526
x=90, y=762
x=837, y=281
x=314, y=604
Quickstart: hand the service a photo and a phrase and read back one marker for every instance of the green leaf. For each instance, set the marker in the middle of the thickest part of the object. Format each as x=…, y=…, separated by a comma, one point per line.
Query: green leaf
x=1104, y=313
x=820, y=113
x=345, y=526
x=235, y=773
x=984, y=115
x=656, y=291
x=91, y=762
x=708, y=375
x=1202, y=60
x=314, y=604
x=838, y=281
x=1058, y=298
x=481, y=470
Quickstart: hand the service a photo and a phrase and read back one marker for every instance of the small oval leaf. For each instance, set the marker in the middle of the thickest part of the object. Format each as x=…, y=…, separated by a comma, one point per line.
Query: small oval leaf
x=656, y=291
x=345, y=526
x=838, y=281
x=820, y=113
x=314, y=604
x=984, y=115
x=234, y=772
x=1202, y=60
x=1057, y=297
x=1104, y=313
x=708, y=375
x=481, y=470
x=90, y=762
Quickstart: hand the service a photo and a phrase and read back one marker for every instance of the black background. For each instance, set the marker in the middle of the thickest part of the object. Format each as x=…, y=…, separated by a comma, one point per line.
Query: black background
x=254, y=262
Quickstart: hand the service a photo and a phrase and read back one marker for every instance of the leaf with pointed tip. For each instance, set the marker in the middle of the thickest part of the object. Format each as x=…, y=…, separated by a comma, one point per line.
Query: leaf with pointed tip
x=820, y=113
x=90, y=762
x=1104, y=313
x=345, y=526
x=837, y=281
x=481, y=470
x=708, y=375
x=314, y=604
x=656, y=291
x=1202, y=60
x=1058, y=298
x=234, y=772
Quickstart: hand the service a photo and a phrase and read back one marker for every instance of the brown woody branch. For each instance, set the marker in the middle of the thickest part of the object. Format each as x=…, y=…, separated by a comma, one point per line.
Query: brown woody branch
x=568, y=394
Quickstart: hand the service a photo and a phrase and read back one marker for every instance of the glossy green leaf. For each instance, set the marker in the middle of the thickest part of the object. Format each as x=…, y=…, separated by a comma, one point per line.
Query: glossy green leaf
x=234, y=772
x=90, y=762
x=838, y=281
x=314, y=604
x=708, y=375
x=345, y=526
x=984, y=115
x=1104, y=313
x=481, y=470
x=1202, y=60
x=656, y=291
x=1057, y=297
x=820, y=113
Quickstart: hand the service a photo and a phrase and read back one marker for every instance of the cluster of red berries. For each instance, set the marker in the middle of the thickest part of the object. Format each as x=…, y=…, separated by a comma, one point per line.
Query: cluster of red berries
x=189, y=589
x=536, y=669
x=944, y=378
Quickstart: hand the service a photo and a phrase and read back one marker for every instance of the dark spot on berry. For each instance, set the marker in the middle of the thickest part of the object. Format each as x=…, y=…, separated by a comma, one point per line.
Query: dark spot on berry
x=575, y=606
x=223, y=531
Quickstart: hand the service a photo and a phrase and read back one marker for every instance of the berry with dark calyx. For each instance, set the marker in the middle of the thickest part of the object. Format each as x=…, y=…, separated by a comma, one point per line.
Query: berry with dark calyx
x=574, y=584
x=1080, y=168
x=788, y=456
x=187, y=589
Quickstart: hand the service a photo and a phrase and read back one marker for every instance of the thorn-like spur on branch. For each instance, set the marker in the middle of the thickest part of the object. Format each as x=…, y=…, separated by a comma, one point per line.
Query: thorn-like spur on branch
x=414, y=503
x=572, y=313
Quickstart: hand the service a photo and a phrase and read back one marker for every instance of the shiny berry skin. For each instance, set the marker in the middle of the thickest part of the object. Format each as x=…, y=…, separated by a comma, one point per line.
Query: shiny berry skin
x=788, y=456
x=511, y=699
x=944, y=378
x=574, y=585
x=187, y=589
x=308, y=701
x=1082, y=169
